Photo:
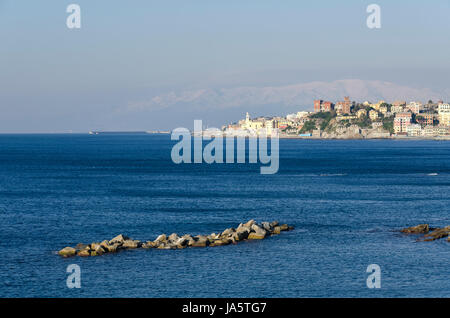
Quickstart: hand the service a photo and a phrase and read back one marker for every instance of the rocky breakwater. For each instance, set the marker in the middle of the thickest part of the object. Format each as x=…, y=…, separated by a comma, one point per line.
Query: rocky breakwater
x=245, y=231
x=429, y=233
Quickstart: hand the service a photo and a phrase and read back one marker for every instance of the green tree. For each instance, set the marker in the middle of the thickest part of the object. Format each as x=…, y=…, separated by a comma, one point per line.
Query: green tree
x=323, y=115
x=363, y=122
x=309, y=126
x=388, y=124
x=388, y=106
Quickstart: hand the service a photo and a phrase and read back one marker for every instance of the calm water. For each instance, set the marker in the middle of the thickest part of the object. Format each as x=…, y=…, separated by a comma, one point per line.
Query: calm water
x=345, y=198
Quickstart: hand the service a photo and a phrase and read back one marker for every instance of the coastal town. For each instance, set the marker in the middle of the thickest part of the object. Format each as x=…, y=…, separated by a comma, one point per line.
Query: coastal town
x=348, y=119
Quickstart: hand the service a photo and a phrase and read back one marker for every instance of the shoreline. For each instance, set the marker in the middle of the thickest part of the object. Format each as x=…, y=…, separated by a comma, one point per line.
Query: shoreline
x=281, y=136
x=443, y=138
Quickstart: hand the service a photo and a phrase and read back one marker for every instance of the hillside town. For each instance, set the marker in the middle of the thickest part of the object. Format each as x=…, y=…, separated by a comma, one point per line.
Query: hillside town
x=351, y=120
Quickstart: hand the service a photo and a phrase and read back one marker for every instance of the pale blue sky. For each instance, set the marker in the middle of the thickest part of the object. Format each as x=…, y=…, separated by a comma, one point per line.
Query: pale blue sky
x=56, y=79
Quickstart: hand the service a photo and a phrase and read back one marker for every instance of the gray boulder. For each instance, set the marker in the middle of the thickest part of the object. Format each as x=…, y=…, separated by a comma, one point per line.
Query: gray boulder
x=228, y=232
x=161, y=238
x=259, y=230
x=131, y=244
x=67, y=252
x=119, y=239
x=241, y=233
x=173, y=237
x=81, y=246
x=250, y=223
x=266, y=226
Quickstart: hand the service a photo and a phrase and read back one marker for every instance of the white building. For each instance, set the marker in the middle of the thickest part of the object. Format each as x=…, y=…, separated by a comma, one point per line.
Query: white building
x=302, y=114
x=297, y=115
x=397, y=109
x=414, y=130
x=415, y=107
x=377, y=124
x=428, y=131
x=444, y=114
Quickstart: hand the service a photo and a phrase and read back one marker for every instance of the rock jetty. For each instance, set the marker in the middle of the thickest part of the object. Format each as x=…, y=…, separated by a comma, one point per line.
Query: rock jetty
x=245, y=231
x=430, y=234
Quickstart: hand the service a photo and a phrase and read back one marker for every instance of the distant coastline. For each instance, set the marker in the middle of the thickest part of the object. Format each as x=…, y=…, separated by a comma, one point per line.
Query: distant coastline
x=129, y=132
x=311, y=137
x=353, y=120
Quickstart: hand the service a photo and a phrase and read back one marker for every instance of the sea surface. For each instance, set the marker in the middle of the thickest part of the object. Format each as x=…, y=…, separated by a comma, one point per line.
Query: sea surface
x=346, y=199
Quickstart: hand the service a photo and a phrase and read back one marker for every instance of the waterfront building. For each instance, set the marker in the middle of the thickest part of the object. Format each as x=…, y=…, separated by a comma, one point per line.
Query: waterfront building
x=316, y=133
x=428, y=131
x=401, y=122
x=442, y=130
x=270, y=127
x=444, y=114
x=414, y=130
x=259, y=125
x=253, y=124
x=282, y=124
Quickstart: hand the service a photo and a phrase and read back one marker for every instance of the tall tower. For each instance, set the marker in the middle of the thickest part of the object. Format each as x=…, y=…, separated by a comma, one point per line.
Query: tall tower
x=247, y=118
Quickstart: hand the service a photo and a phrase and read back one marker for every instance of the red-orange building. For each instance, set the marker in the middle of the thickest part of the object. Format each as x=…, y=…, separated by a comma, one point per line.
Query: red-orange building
x=429, y=118
x=317, y=104
x=327, y=106
x=322, y=106
x=344, y=107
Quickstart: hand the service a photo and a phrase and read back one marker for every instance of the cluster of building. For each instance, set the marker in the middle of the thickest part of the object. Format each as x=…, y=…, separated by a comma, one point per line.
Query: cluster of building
x=409, y=119
x=269, y=125
x=415, y=119
x=343, y=107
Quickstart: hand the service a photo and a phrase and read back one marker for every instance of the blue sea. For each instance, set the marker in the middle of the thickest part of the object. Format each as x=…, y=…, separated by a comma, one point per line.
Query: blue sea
x=346, y=199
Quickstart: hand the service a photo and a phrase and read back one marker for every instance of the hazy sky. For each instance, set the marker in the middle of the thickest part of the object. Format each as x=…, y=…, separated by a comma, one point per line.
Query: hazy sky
x=55, y=79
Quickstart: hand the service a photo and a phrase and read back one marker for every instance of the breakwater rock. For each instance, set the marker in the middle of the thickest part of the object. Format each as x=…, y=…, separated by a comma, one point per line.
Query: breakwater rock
x=245, y=231
x=430, y=234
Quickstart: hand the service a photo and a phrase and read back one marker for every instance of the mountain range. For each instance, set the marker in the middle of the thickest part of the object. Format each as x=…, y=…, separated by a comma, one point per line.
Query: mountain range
x=223, y=105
